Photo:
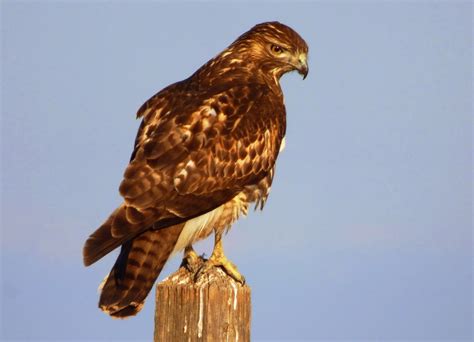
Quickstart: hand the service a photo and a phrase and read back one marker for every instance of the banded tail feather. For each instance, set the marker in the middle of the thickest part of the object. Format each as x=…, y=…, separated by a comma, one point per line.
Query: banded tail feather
x=121, y=226
x=136, y=270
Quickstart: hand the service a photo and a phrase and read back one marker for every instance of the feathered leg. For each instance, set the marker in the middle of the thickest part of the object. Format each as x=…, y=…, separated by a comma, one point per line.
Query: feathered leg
x=218, y=259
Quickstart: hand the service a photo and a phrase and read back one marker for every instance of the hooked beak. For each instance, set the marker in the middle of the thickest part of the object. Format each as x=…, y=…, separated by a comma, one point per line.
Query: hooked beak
x=302, y=66
x=303, y=70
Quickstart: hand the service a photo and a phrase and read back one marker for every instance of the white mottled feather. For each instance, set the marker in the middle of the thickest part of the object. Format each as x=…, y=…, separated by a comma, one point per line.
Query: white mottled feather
x=220, y=218
x=193, y=228
x=283, y=144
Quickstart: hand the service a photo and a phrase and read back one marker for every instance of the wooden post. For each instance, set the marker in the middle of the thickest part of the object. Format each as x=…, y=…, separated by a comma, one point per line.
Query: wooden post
x=215, y=308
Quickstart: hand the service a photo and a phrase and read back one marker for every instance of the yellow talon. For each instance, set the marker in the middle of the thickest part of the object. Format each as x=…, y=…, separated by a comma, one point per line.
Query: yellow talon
x=191, y=260
x=218, y=259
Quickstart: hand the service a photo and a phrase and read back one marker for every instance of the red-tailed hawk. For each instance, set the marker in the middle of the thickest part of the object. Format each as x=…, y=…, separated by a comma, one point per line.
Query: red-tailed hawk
x=205, y=149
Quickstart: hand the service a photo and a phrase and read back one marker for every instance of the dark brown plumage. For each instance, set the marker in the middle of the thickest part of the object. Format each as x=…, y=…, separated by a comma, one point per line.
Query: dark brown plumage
x=206, y=148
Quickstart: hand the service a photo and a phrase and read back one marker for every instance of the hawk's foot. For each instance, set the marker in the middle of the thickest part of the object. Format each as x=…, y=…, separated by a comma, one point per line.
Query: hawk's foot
x=192, y=261
x=220, y=260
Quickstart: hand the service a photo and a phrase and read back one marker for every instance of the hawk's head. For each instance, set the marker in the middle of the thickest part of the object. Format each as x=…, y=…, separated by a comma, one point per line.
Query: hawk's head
x=274, y=48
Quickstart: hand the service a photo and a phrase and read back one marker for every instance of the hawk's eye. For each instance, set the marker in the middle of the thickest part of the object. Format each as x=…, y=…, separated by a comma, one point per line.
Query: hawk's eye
x=276, y=49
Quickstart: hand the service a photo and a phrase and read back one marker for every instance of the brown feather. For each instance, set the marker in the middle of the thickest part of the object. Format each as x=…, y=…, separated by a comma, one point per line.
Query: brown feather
x=100, y=243
x=135, y=271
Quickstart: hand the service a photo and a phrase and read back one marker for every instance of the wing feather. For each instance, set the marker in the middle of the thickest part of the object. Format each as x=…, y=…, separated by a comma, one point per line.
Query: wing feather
x=193, y=156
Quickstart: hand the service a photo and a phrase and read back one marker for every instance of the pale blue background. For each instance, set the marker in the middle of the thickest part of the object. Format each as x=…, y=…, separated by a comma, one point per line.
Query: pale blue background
x=367, y=232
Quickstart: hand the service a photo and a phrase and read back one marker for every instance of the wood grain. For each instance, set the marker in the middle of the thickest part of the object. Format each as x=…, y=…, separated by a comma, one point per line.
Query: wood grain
x=214, y=308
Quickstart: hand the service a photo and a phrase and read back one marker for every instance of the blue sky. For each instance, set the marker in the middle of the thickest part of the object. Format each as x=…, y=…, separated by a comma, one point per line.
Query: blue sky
x=368, y=230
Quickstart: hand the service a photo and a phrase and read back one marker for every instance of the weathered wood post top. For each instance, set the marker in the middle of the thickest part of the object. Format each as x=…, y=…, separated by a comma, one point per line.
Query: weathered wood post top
x=213, y=308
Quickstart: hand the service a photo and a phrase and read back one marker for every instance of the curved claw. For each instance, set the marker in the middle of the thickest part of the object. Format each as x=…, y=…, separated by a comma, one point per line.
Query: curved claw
x=222, y=262
x=192, y=262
